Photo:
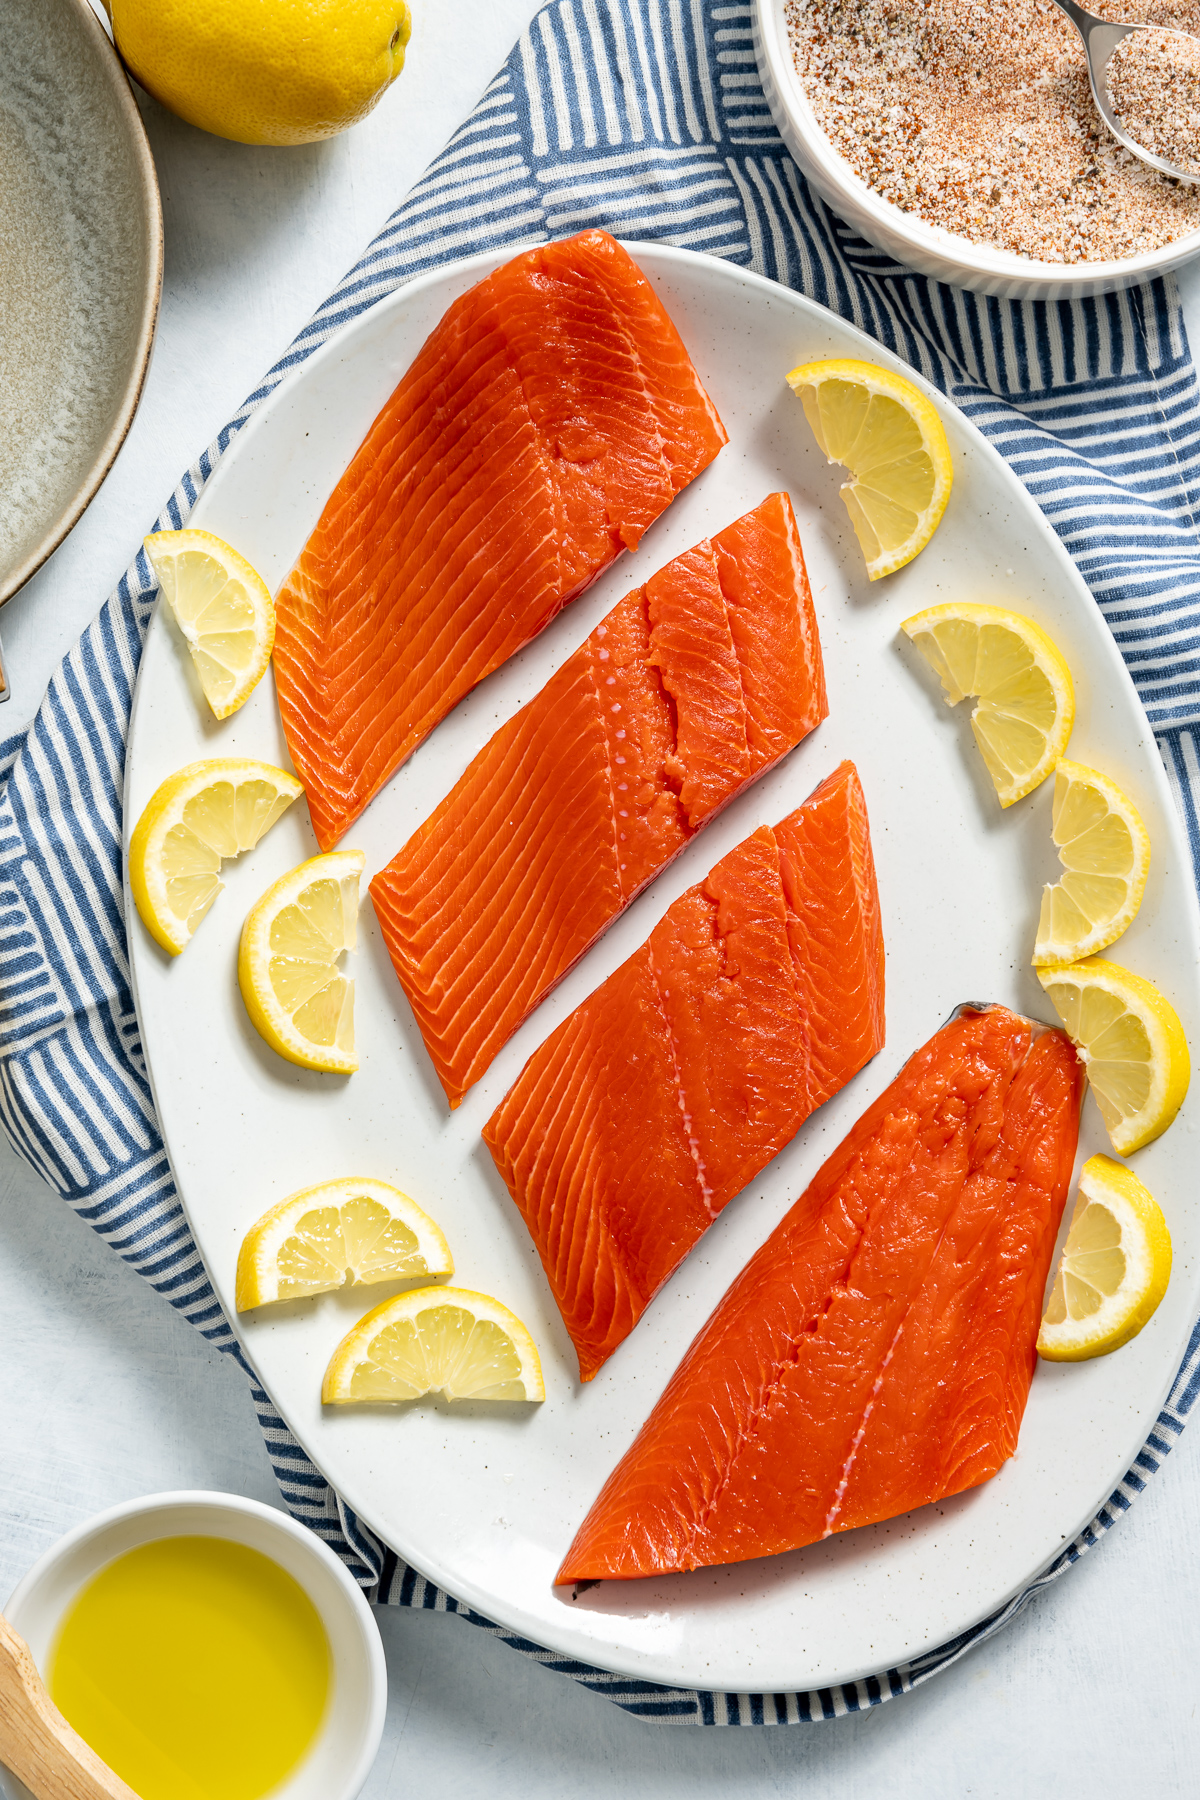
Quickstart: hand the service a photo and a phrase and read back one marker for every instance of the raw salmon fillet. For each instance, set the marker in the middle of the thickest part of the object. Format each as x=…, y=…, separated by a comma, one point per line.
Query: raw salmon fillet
x=691, y=688
x=547, y=421
x=755, y=998
x=876, y=1353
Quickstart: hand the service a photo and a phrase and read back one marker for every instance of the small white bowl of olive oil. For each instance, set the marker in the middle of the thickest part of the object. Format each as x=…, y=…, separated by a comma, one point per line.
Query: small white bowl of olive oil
x=207, y=1648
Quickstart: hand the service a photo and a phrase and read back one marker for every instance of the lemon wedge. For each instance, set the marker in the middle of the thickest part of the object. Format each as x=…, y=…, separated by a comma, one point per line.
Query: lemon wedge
x=297, y=997
x=224, y=610
x=1131, y=1042
x=1105, y=850
x=435, y=1339
x=1114, y=1269
x=348, y=1232
x=1026, y=700
x=193, y=821
x=890, y=438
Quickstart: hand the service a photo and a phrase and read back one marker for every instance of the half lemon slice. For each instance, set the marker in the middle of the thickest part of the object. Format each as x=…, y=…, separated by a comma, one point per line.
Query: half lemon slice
x=435, y=1339
x=296, y=995
x=348, y=1232
x=1131, y=1043
x=890, y=438
x=193, y=821
x=1105, y=850
x=224, y=610
x=1026, y=699
x=1114, y=1269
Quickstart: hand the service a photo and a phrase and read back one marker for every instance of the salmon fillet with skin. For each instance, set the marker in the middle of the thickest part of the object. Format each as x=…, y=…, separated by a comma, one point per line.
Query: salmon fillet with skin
x=875, y=1355
x=756, y=997
x=546, y=423
x=691, y=688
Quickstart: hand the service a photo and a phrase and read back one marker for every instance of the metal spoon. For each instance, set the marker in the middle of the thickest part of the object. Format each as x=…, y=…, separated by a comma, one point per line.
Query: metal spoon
x=1100, y=39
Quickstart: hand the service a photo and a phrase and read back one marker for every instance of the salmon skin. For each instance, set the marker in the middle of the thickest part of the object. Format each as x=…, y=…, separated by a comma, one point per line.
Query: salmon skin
x=693, y=686
x=548, y=420
x=876, y=1353
x=755, y=998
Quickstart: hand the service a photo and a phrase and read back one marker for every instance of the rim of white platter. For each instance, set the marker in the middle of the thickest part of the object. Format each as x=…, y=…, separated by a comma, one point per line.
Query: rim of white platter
x=485, y=1501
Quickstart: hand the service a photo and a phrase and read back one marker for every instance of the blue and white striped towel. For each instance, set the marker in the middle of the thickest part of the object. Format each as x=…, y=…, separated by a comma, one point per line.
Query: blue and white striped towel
x=647, y=117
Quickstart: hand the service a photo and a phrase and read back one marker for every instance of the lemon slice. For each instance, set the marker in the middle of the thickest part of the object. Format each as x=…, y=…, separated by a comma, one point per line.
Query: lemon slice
x=1026, y=700
x=1114, y=1269
x=465, y=1345
x=1105, y=850
x=1131, y=1042
x=224, y=610
x=890, y=438
x=348, y=1232
x=297, y=997
x=197, y=817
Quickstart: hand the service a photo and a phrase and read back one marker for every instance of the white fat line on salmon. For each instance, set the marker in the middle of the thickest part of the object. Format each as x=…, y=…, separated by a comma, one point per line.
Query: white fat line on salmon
x=749, y=1431
x=840, y=1491
x=601, y=631
x=706, y=1192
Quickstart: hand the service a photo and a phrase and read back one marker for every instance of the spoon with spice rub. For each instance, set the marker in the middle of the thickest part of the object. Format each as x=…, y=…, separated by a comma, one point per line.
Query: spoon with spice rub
x=1146, y=85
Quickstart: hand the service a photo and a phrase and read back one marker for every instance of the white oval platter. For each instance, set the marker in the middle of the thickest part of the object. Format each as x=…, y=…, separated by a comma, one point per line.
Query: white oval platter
x=484, y=1500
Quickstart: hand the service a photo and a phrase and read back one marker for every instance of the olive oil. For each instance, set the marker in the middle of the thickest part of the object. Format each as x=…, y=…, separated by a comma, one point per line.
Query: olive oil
x=197, y=1668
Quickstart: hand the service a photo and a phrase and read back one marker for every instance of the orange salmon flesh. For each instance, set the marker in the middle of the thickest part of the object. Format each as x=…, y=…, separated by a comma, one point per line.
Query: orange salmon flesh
x=691, y=688
x=876, y=1353
x=756, y=997
x=546, y=423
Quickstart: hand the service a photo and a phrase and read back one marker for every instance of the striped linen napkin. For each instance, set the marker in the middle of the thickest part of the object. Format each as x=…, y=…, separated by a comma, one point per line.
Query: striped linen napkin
x=646, y=117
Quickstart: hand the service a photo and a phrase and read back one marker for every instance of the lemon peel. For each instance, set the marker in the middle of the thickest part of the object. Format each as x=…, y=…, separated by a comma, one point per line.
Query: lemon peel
x=275, y=72
x=435, y=1339
x=352, y=1231
x=298, y=1000
x=1025, y=698
x=1114, y=1268
x=1105, y=852
x=194, y=821
x=1131, y=1042
x=223, y=608
x=888, y=435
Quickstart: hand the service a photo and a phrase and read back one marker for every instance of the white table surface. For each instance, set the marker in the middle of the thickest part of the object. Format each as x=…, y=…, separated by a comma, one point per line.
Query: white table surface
x=106, y=1393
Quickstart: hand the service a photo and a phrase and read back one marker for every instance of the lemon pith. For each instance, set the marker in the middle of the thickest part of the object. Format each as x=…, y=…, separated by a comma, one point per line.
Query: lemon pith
x=1025, y=698
x=348, y=1232
x=276, y=72
x=1131, y=1042
x=435, y=1339
x=223, y=608
x=193, y=821
x=1105, y=852
x=888, y=435
x=297, y=998
x=1114, y=1268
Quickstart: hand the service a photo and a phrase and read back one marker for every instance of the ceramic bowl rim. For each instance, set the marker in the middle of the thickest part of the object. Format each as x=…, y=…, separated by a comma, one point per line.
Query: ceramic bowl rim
x=234, y=1507
x=957, y=255
x=109, y=68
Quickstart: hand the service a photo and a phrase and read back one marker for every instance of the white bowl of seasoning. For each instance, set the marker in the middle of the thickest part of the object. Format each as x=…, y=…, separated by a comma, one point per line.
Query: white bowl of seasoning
x=912, y=241
x=235, y=1589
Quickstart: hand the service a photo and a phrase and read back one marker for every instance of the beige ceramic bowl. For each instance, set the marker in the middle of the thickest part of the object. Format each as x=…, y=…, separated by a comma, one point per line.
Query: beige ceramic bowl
x=80, y=271
x=925, y=248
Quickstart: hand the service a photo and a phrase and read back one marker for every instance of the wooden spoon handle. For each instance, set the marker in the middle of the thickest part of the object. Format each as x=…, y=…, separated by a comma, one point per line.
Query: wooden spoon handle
x=36, y=1742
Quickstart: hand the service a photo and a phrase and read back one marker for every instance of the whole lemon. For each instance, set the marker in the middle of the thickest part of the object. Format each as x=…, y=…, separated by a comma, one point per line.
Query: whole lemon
x=264, y=71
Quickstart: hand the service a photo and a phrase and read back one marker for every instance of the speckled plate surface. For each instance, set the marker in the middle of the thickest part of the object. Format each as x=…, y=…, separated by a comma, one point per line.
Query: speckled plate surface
x=80, y=271
x=485, y=1500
